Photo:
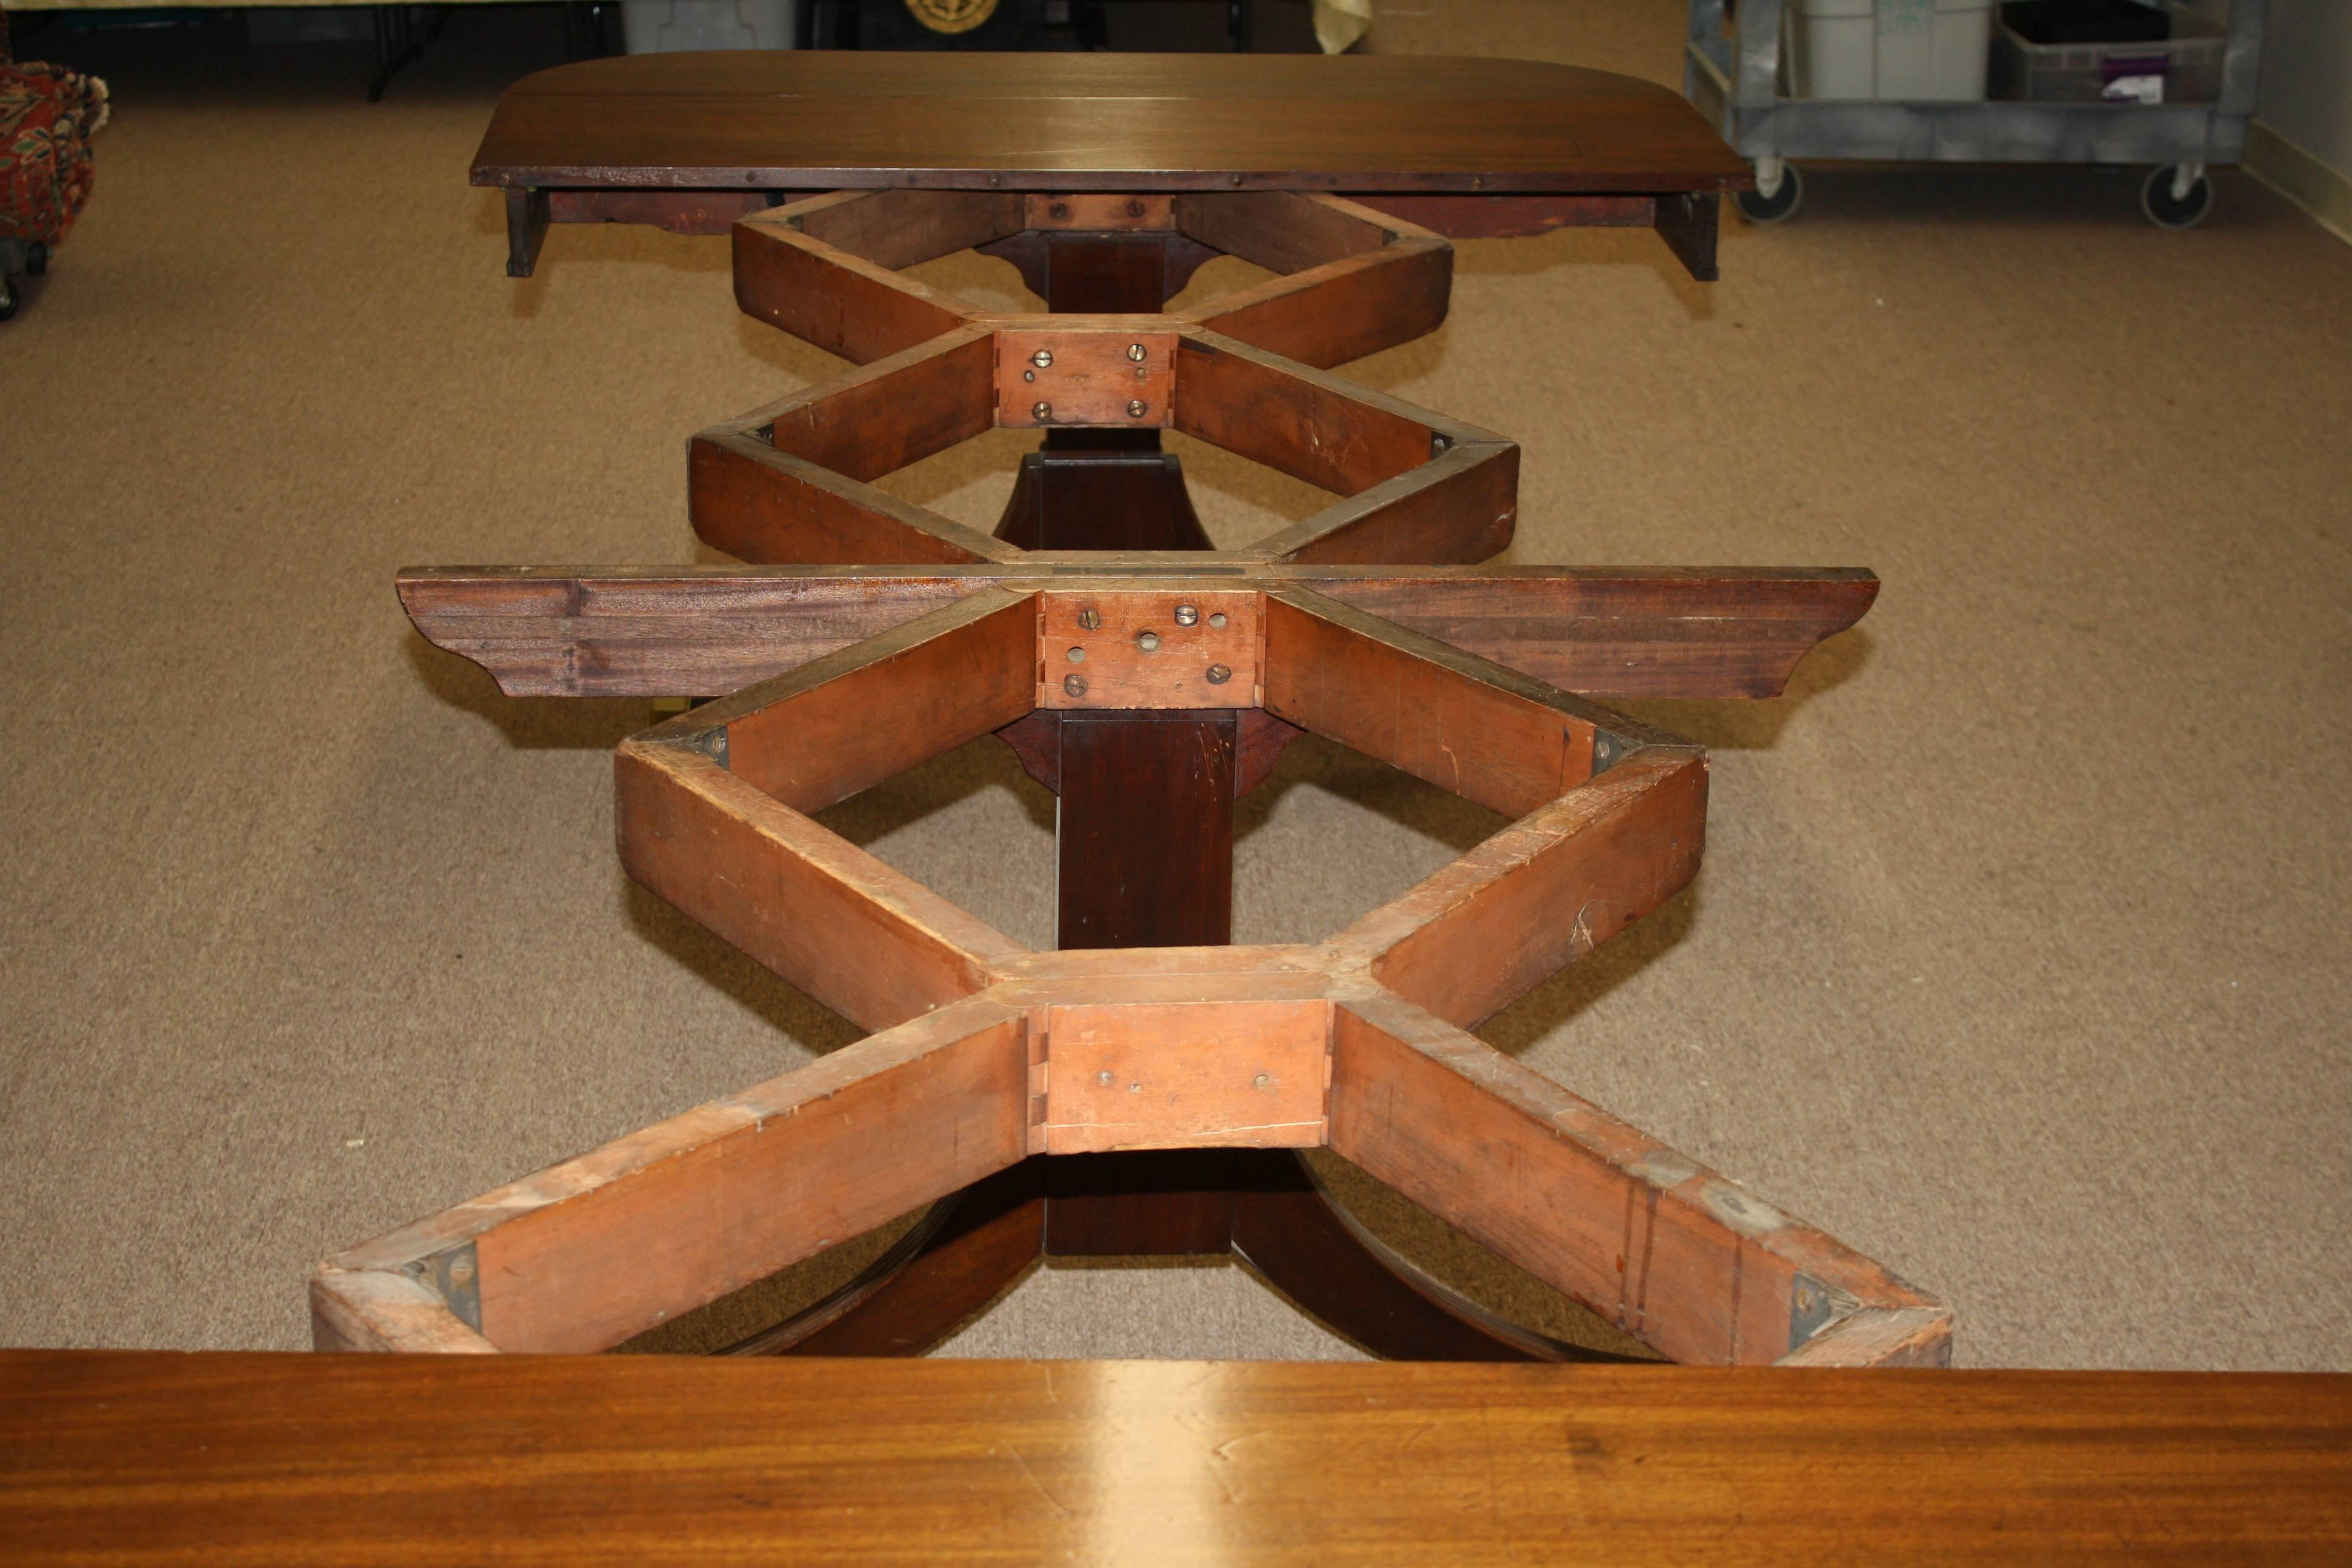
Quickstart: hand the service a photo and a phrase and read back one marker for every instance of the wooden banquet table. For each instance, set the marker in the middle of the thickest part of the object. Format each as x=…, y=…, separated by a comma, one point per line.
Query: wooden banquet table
x=1145, y=1087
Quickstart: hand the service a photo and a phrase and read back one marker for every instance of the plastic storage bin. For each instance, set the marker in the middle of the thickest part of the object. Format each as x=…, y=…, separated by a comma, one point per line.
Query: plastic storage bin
x=2183, y=69
x=1920, y=51
x=659, y=27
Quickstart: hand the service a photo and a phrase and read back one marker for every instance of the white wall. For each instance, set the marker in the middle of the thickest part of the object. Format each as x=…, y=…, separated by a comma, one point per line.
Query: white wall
x=2306, y=92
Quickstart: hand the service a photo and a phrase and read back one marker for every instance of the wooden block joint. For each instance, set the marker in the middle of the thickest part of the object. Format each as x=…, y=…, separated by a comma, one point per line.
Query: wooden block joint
x=1093, y=211
x=1250, y=1075
x=1176, y=648
x=1122, y=377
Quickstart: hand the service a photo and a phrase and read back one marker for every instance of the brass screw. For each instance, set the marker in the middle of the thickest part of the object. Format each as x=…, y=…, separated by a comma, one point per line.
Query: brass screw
x=1089, y=617
x=1135, y=1088
x=1187, y=614
x=1077, y=656
x=1028, y=375
x=1218, y=622
x=460, y=1271
x=1041, y=358
x=1075, y=685
x=1219, y=675
x=1135, y=352
x=1147, y=641
x=1135, y=409
x=1262, y=1080
x=1040, y=412
x=1104, y=1078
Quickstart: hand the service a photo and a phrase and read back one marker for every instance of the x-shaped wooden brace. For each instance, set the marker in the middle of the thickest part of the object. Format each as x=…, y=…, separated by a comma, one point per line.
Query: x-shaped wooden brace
x=985, y=1053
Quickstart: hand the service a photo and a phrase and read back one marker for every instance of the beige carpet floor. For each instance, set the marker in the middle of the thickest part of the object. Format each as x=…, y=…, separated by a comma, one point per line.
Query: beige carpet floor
x=2019, y=959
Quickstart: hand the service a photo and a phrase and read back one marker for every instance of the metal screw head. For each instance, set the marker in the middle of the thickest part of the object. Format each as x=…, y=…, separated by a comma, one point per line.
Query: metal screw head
x=1135, y=1088
x=1077, y=656
x=1042, y=358
x=1147, y=641
x=1135, y=352
x=1075, y=685
x=1060, y=209
x=1040, y=412
x=1187, y=614
x=1217, y=621
x=1104, y=1078
x=1136, y=410
x=1262, y=1080
x=1028, y=375
x=460, y=1271
x=1219, y=675
x=1089, y=617
x=1135, y=209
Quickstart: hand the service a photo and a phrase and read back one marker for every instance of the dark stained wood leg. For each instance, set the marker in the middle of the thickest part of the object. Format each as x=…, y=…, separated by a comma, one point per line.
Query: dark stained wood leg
x=956, y=1261
x=1688, y=224
x=1100, y=496
x=1164, y=1203
x=527, y=219
x=1295, y=1240
x=1146, y=829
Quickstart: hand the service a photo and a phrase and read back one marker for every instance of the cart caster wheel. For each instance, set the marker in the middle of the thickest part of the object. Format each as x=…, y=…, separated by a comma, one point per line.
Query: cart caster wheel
x=1778, y=207
x=8, y=301
x=2167, y=210
x=36, y=260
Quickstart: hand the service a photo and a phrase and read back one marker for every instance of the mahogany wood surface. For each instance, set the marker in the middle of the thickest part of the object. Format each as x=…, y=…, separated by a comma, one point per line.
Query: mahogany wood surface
x=1141, y=123
x=1146, y=829
x=123, y=1457
x=702, y=631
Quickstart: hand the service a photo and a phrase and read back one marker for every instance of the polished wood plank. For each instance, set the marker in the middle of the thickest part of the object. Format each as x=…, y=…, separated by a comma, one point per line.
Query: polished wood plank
x=158, y=1458
x=701, y=631
x=1140, y=123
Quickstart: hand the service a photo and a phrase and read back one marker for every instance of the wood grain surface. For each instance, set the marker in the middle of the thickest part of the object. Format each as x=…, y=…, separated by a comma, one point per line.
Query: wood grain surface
x=1140, y=123
x=701, y=631
x=161, y=1458
x=1681, y=1258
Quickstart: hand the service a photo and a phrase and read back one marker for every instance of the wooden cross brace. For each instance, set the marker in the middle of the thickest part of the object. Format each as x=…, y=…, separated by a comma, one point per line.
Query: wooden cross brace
x=984, y=1053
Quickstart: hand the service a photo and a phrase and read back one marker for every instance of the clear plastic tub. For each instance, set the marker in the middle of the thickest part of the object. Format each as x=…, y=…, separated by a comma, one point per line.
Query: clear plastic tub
x=2184, y=69
x=1912, y=50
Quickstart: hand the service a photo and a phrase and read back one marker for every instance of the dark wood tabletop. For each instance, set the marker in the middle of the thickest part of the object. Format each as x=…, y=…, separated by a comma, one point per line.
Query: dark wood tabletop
x=116, y=1457
x=1137, y=123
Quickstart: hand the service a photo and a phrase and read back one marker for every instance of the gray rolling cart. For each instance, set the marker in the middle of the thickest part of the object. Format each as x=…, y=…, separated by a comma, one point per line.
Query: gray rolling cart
x=1734, y=79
